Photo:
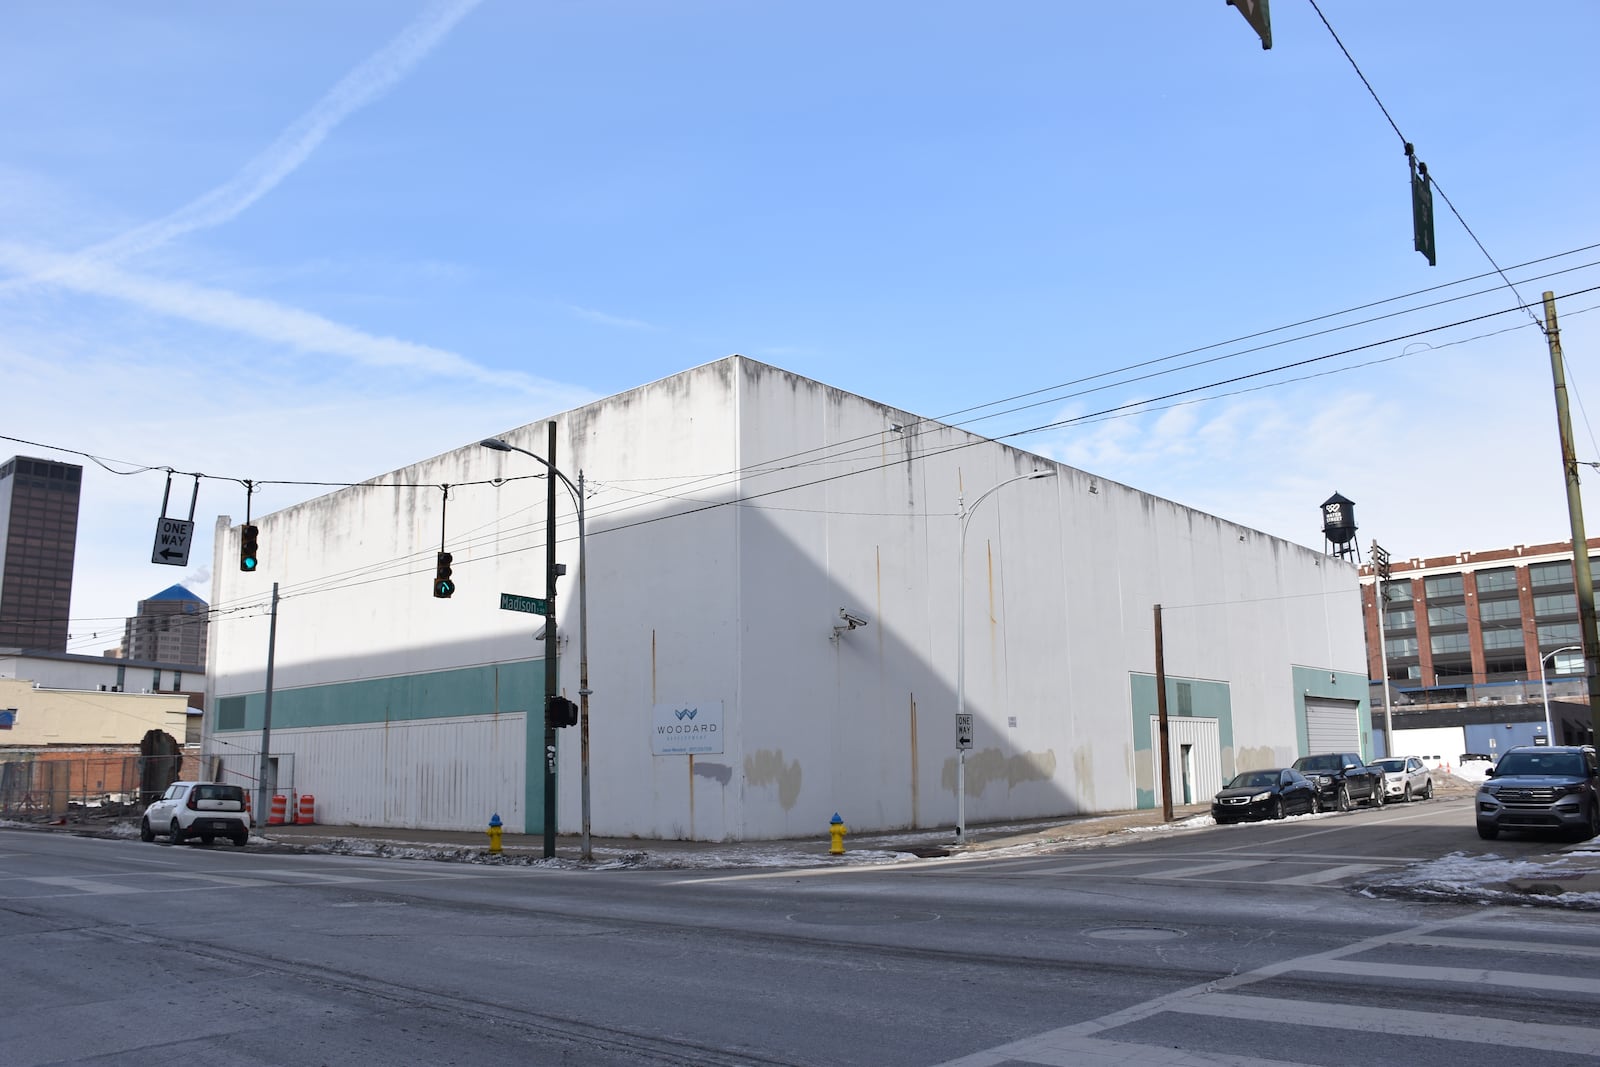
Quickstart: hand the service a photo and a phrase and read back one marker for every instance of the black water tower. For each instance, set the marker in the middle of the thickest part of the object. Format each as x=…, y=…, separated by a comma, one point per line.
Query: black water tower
x=1339, y=526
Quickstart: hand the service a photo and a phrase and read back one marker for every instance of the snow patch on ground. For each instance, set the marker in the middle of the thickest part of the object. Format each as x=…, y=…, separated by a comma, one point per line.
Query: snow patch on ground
x=1487, y=880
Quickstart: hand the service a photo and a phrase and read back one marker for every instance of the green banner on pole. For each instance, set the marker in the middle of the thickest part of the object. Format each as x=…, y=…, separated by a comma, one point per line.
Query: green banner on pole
x=1422, y=211
x=1256, y=14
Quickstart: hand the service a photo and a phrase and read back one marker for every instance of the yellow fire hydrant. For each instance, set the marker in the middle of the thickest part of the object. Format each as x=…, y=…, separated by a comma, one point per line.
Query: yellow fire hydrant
x=494, y=833
x=838, y=829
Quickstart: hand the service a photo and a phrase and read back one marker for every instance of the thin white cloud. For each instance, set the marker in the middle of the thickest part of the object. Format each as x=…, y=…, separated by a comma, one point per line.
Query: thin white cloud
x=263, y=320
x=367, y=83
x=611, y=320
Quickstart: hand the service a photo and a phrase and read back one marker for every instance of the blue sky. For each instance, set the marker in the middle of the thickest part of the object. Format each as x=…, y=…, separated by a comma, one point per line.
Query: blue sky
x=316, y=242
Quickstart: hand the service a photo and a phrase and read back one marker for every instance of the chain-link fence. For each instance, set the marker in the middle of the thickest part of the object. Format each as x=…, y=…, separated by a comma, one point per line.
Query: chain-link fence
x=54, y=785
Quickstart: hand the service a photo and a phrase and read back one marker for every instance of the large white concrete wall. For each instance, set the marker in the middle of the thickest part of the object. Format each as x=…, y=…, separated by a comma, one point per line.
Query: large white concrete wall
x=734, y=509
x=1062, y=576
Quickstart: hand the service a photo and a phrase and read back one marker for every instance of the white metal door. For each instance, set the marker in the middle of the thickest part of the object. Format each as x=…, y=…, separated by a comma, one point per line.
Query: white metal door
x=1204, y=758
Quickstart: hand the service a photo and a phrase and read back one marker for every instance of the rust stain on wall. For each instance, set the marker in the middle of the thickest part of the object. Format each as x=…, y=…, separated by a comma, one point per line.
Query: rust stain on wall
x=766, y=767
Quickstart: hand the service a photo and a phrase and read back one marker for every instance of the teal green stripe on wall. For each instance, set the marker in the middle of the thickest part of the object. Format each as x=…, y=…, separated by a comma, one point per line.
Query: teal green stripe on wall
x=1208, y=700
x=483, y=690
x=487, y=690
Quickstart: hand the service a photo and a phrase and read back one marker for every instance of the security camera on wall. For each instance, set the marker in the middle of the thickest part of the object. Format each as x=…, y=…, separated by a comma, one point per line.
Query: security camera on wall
x=853, y=619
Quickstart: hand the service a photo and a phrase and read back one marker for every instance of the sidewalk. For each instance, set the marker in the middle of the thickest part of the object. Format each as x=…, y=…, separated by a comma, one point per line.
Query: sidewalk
x=610, y=852
x=1568, y=876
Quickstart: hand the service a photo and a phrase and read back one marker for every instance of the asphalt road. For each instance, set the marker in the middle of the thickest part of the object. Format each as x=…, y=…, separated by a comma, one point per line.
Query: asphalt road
x=1238, y=945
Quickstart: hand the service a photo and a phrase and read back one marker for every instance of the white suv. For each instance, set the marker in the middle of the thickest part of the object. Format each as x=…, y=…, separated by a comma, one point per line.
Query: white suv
x=1405, y=777
x=206, y=810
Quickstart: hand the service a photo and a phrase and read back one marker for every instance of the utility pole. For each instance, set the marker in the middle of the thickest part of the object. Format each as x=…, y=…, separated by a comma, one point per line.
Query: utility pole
x=1580, y=542
x=550, y=651
x=1161, y=721
x=1380, y=572
x=264, y=787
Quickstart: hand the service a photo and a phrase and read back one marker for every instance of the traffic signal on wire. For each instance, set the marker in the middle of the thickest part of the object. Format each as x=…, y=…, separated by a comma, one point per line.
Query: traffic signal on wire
x=443, y=584
x=560, y=712
x=247, y=548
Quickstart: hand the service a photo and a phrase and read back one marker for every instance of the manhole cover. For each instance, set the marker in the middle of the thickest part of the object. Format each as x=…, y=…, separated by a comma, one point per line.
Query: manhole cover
x=1134, y=933
x=861, y=918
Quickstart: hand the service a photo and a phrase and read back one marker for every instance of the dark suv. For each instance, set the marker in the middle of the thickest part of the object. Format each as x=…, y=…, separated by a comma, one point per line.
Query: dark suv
x=1342, y=779
x=1542, y=788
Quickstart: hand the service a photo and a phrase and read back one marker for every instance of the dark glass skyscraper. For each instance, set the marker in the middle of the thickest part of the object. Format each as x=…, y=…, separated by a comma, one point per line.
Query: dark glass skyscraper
x=38, y=538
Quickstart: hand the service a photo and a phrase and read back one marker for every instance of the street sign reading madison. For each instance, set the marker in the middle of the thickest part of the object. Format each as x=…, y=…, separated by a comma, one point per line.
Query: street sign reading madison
x=172, y=542
x=531, y=604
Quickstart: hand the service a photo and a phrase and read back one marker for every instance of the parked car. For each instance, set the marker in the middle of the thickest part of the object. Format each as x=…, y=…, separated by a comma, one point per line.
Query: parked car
x=1268, y=794
x=207, y=810
x=1342, y=780
x=1554, y=787
x=1405, y=777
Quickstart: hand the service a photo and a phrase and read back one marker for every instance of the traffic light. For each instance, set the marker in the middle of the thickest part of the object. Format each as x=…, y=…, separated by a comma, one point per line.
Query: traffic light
x=560, y=712
x=443, y=584
x=247, y=548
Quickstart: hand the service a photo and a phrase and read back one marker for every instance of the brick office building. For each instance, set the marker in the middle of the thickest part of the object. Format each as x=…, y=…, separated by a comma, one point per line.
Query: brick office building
x=1477, y=640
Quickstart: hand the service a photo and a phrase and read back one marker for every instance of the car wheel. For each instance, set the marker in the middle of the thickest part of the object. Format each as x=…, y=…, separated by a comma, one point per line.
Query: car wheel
x=1487, y=832
x=1594, y=819
x=1378, y=795
x=1405, y=798
x=1427, y=790
x=1343, y=800
x=241, y=840
x=177, y=833
x=1316, y=803
x=1277, y=807
x=145, y=833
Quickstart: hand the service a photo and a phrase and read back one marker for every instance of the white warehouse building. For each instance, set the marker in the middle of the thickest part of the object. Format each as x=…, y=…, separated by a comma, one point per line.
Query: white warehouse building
x=772, y=597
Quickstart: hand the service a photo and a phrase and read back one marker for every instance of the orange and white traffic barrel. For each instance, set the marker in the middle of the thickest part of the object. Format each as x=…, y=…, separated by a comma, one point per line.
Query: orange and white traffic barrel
x=308, y=809
x=280, y=806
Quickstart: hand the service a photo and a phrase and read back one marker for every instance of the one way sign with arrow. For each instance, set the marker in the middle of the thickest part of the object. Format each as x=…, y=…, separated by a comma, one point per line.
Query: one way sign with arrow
x=172, y=542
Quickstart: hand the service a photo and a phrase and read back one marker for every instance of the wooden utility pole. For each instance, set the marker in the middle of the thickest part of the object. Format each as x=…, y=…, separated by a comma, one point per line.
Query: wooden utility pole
x=1161, y=724
x=1580, y=542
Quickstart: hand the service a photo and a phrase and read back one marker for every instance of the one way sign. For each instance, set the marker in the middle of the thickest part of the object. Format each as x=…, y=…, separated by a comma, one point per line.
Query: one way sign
x=172, y=542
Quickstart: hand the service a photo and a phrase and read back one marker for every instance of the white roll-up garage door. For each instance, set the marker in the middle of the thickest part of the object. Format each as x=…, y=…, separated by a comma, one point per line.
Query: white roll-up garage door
x=1332, y=726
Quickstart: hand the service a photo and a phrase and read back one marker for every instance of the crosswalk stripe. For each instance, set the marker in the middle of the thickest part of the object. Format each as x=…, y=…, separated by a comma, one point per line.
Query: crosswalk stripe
x=1211, y=868
x=1328, y=874
x=1548, y=947
x=211, y=879
x=84, y=885
x=1465, y=975
x=1549, y=1037
x=1099, y=865
x=1072, y=1050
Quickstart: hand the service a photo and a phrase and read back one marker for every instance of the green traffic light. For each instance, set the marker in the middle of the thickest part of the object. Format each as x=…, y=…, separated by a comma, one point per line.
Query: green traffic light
x=248, y=563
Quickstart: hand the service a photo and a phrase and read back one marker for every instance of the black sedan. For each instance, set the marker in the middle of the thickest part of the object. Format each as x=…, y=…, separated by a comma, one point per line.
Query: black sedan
x=1269, y=794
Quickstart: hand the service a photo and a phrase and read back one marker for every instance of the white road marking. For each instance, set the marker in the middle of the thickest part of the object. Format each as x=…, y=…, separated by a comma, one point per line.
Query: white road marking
x=1362, y=1018
x=1329, y=874
x=1060, y=1047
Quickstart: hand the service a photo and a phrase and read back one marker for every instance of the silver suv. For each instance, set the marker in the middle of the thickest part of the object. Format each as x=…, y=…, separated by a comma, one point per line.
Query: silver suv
x=1542, y=788
x=206, y=810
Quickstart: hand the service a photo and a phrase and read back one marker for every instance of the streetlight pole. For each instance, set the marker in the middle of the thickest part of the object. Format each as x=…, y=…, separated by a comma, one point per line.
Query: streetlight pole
x=965, y=515
x=1544, y=689
x=576, y=491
